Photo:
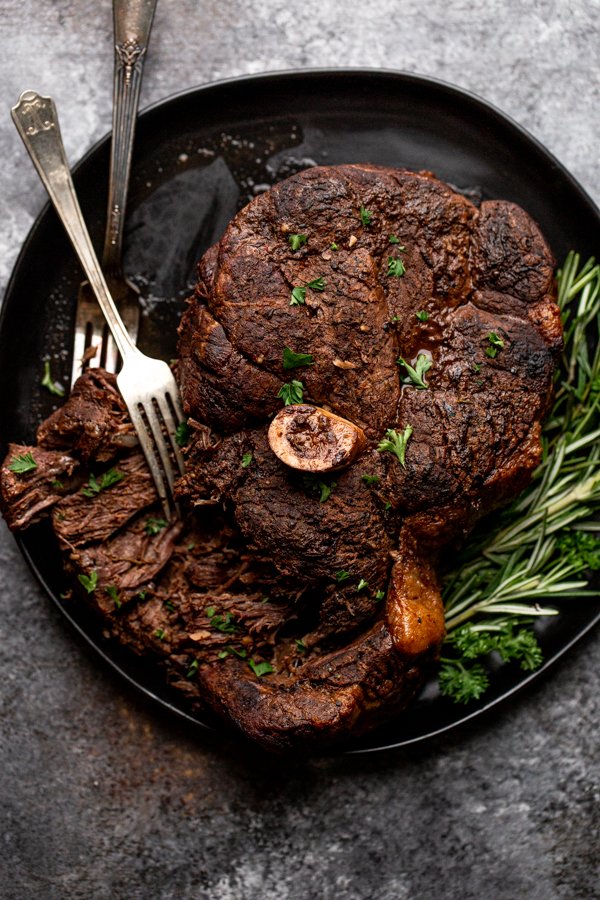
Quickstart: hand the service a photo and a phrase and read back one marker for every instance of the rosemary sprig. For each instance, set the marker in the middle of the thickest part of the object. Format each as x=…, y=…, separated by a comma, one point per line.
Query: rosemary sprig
x=521, y=557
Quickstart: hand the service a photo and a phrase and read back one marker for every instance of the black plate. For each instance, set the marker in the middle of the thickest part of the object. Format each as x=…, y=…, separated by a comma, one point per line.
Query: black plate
x=199, y=157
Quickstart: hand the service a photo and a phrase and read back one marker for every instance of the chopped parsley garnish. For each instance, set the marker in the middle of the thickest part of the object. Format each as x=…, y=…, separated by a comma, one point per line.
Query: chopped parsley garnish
x=297, y=240
x=422, y=316
x=90, y=583
x=416, y=374
x=292, y=360
x=362, y=584
x=370, y=479
x=153, y=526
x=394, y=240
x=299, y=293
x=23, y=463
x=396, y=443
x=93, y=487
x=226, y=624
x=319, y=487
x=182, y=434
x=49, y=383
x=210, y=611
x=379, y=596
x=261, y=668
x=57, y=484
x=300, y=645
x=142, y=595
x=365, y=216
x=476, y=367
x=159, y=633
x=395, y=267
x=334, y=246
x=395, y=319
x=114, y=595
x=496, y=343
x=169, y=605
x=293, y=392
x=192, y=669
x=342, y=575
x=298, y=296
x=246, y=460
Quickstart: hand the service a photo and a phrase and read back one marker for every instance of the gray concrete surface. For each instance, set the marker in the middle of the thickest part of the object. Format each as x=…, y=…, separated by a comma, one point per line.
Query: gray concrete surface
x=102, y=796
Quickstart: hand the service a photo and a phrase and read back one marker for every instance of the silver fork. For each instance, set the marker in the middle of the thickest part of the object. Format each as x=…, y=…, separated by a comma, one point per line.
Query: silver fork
x=132, y=24
x=147, y=385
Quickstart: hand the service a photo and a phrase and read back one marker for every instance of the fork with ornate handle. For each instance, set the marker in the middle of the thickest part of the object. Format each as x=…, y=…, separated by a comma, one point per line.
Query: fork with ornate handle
x=132, y=24
x=147, y=385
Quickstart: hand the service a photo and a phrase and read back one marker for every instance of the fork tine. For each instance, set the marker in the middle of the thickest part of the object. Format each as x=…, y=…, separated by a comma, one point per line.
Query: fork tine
x=159, y=443
x=147, y=445
x=78, y=351
x=171, y=423
x=110, y=353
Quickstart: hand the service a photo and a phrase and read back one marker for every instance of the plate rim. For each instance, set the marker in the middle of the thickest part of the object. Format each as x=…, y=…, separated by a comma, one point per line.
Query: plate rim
x=458, y=93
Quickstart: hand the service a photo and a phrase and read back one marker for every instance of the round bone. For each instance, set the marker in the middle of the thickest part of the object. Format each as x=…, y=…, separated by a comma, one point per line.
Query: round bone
x=314, y=440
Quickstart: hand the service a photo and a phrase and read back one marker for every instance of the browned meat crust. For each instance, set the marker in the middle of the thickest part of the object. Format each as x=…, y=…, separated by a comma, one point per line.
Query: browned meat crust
x=329, y=578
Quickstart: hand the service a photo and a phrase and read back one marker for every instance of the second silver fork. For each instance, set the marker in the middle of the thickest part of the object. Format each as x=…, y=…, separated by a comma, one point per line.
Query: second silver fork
x=92, y=343
x=148, y=387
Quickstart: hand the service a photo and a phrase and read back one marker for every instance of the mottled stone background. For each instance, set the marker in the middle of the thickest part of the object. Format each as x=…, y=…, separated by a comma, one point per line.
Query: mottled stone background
x=101, y=796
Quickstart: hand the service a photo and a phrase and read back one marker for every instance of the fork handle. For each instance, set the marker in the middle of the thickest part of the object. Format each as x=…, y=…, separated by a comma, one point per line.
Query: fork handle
x=132, y=24
x=36, y=120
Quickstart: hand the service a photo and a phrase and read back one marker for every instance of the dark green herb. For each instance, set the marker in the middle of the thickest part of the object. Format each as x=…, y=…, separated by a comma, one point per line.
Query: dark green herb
x=114, y=595
x=396, y=443
x=293, y=392
x=49, y=383
x=142, y=595
x=416, y=374
x=246, y=460
x=108, y=479
x=580, y=549
x=58, y=485
x=169, y=606
x=153, y=526
x=365, y=216
x=210, y=611
x=261, y=668
x=23, y=463
x=476, y=367
x=89, y=583
x=319, y=284
x=394, y=240
x=159, y=633
x=362, y=584
x=422, y=315
x=463, y=683
x=300, y=645
x=297, y=240
x=395, y=267
x=226, y=624
x=334, y=246
x=298, y=296
x=395, y=319
x=182, y=434
x=370, y=479
x=292, y=360
x=192, y=669
x=342, y=575
x=318, y=487
x=496, y=343
x=379, y=596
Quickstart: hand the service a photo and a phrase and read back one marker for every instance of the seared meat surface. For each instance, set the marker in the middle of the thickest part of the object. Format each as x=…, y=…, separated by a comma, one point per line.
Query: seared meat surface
x=299, y=602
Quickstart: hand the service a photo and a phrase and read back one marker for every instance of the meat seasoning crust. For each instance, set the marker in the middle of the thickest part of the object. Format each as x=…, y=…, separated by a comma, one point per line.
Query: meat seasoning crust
x=299, y=601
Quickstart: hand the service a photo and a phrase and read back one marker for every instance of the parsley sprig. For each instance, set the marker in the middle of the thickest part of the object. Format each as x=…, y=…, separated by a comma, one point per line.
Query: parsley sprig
x=396, y=442
x=299, y=293
x=416, y=374
x=541, y=547
x=293, y=392
x=108, y=479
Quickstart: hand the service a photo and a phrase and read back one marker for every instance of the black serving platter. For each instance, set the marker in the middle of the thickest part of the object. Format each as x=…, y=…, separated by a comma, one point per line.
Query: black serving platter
x=199, y=157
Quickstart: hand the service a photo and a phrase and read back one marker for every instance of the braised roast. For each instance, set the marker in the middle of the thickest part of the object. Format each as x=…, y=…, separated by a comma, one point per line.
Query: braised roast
x=298, y=599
